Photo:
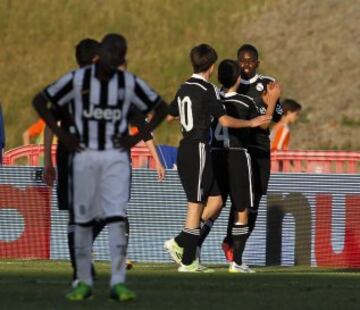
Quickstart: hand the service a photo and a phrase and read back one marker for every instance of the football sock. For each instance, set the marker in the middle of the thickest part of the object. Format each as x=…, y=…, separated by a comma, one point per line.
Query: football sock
x=118, y=249
x=191, y=238
x=205, y=230
x=252, y=221
x=239, y=235
x=83, y=245
x=228, y=238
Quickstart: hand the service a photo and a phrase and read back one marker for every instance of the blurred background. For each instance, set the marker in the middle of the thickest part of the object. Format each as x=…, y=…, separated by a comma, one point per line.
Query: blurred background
x=311, y=47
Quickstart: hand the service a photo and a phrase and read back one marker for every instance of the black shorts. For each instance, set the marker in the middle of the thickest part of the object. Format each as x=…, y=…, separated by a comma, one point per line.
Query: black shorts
x=196, y=171
x=62, y=162
x=260, y=162
x=234, y=177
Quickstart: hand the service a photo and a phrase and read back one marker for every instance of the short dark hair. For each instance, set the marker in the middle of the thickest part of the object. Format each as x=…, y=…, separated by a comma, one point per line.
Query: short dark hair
x=202, y=57
x=85, y=51
x=290, y=105
x=248, y=48
x=113, y=49
x=228, y=72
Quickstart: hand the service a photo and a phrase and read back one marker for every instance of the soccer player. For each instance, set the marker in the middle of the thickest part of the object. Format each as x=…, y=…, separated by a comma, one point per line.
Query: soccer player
x=196, y=103
x=100, y=97
x=280, y=133
x=86, y=53
x=256, y=86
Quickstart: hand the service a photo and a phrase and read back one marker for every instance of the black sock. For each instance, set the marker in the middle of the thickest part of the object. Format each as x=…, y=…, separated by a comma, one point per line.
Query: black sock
x=239, y=234
x=228, y=238
x=205, y=230
x=71, y=246
x=191, y=239
x=252, y=221
x=180, y=239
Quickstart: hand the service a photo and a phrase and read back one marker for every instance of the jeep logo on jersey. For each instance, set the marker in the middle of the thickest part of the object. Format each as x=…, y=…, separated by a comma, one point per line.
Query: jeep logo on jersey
x=107, y=114
x=259, y=87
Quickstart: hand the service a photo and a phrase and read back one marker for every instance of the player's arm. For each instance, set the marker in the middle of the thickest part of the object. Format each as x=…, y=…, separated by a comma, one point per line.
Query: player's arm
x=173, y=111
x=231, y=122
x=271, y=97
x=49, y=170
x=217, y=110
x=137, y=119
x=40, y=104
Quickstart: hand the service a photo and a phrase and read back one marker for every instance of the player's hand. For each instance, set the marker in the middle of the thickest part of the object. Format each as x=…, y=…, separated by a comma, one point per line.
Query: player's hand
x=49, y=175
x=260, y=120
x=160, y=171
x=272, y=93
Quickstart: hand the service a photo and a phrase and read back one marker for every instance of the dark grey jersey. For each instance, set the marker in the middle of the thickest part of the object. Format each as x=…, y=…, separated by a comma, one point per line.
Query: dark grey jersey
x=254, y=89
x=196, y=103
x=237, y=106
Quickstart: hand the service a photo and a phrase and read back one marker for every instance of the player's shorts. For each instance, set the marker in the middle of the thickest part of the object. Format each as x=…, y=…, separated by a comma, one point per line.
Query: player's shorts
x=260, y=162
x=220, y=165
x=196, y=171
x=100, y=182
x=240, y=179
x=234, y=177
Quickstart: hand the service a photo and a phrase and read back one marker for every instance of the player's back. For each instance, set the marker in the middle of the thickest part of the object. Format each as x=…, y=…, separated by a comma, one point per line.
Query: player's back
x=237, y=106
x=196, y=102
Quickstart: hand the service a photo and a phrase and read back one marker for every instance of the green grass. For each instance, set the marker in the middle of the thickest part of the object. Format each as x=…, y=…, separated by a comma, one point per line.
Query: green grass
x=42, y=284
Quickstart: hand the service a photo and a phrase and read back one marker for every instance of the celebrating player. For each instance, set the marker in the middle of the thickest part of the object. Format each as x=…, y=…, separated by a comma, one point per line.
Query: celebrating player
x=196, y=102
x=101, y=97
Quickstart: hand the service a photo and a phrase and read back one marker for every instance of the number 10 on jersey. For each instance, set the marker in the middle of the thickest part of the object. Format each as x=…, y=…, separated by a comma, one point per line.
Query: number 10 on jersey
x=185, y=112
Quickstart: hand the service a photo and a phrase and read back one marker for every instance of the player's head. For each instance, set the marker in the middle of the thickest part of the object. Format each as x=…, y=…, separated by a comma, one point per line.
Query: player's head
x=86, y=52
x=228, y=73
x=203, y=58
x=248, y=59
x=113, y=50
x=291, y=110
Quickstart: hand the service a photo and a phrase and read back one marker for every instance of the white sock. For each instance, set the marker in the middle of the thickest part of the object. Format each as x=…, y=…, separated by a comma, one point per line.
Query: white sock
x=83, y=242
x=118, y=249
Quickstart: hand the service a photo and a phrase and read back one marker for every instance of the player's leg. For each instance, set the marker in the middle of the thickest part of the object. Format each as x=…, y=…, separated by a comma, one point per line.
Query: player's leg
x=84, y=182
x=260, y=164
x=218, y=192
x=242, y=200
x=114, y=189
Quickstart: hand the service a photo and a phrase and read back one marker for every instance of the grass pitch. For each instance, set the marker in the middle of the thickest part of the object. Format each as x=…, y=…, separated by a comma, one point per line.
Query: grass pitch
x=42, y=284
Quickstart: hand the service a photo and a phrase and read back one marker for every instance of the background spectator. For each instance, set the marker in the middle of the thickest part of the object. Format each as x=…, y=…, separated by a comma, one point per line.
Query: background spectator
x=280, y=133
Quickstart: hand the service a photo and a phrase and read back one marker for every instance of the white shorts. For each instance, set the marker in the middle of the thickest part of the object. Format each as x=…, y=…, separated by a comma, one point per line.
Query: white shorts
x=100, y=185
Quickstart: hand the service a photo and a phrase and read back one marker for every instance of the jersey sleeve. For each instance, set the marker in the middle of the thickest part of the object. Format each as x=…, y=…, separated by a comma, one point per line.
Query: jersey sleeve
x=61, y=92
x=144, y=97
x=138, y=120
x=174, y=108
x=214, y=102
x=278, y=112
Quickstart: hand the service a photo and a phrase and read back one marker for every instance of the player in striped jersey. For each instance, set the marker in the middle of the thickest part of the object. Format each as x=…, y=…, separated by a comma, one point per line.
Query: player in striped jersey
x=100, y=98
x=196, y=103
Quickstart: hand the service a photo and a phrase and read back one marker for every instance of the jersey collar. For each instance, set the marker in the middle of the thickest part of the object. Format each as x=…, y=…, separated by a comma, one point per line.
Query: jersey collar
x=230, y=94
x=252, y=80
x=198, y=76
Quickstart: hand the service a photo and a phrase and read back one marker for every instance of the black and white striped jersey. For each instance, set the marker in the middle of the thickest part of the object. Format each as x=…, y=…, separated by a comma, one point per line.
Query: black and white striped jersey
x=196, y=102
x=100, y=108
x=237, y=106
x=254, y=89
